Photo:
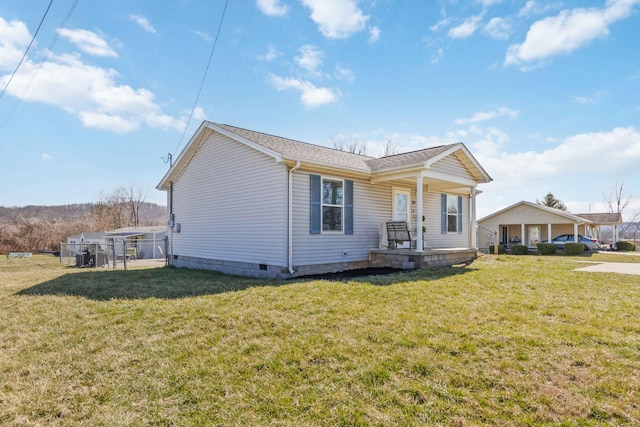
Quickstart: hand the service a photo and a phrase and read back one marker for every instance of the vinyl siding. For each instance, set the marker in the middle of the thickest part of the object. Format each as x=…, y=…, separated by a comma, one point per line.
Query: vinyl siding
x=371, y=204
x=231, y=204
x=453, y=167
x=432, y=212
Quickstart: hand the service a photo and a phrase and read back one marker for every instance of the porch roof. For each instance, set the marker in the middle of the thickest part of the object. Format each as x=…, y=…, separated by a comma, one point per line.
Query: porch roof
x=557, y=212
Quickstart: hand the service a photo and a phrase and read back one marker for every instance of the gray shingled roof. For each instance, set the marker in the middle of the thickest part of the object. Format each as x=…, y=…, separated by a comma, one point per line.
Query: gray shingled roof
x=412, y=158
x=297, y=150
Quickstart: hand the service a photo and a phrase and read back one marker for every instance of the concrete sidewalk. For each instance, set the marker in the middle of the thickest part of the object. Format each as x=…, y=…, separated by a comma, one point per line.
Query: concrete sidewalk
x=613, y=267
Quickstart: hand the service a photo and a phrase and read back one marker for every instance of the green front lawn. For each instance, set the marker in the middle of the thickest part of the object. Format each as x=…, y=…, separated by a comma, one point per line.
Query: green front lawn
x=507, y=340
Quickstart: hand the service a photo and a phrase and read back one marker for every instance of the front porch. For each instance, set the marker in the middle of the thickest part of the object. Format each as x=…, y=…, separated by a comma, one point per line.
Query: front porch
x=410, y=259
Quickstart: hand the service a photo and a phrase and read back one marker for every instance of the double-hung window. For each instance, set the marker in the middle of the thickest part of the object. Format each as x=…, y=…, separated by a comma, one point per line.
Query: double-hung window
x=331, y=208
x=332, y=204
x=451, y=214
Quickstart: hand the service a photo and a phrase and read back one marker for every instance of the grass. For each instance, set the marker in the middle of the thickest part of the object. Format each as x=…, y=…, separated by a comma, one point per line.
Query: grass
x=507, y=340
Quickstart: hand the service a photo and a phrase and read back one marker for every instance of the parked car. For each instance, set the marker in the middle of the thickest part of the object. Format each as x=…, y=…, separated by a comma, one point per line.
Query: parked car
x=589, y=242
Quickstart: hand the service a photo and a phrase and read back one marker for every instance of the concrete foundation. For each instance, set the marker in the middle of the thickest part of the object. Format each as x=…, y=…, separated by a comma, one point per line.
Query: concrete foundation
x=403, y=259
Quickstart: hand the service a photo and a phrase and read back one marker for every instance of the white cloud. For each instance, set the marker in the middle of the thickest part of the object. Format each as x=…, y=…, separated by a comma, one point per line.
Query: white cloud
x=90, y=93
x=344, y=73
x=46, y=157
x=310, y=59
x=487, y=3
x=337, y=19
x=271, y=54
x=498, y=28
x=374, y=34
x=143, y=23
x=14, y=38
x=310, y=95
x=551, y=169
x=584, y=100
x=441, y=23
x=437, y=56
x=566, y=32
x=272, y=7
x=487, y=115
x=466, y=29
x=203, y=35
x=88, y=42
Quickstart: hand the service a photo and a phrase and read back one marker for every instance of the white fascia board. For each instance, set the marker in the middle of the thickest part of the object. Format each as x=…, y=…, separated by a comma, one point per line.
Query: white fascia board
x=177, y=164
x=448, y=178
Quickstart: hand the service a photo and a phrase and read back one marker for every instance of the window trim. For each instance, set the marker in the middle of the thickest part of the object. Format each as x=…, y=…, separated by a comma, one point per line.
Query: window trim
x=324, y=178
x=445, y=214
x=394, y=212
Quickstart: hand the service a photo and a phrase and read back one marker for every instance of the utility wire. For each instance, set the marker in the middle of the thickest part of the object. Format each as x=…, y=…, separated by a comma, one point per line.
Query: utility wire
x=41, y=65
x=204, y=77
x=27, y=50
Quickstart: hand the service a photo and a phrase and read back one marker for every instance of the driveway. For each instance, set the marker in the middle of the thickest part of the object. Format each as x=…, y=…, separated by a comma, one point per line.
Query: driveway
x=615, y=267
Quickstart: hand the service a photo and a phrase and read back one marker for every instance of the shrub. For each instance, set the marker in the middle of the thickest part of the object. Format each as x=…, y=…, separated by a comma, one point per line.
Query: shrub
x=500, y=249
x=546, y=248
x=625, y=246
x=519, y=250
x=573, y=248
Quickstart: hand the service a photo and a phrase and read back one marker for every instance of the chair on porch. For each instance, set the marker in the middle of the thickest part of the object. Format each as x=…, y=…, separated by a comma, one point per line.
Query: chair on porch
x=397, y=234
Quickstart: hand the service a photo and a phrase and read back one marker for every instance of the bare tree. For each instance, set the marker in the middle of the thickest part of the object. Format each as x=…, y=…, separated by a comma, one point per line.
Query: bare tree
x=616, y=198
x=390, y=147
x=349, y=144
x=551, y=201
x=136, y=199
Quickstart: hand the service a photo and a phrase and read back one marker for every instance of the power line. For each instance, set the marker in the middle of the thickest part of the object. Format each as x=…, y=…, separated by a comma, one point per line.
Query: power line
x=204, y=77
x=41, y=65
x=27, y=50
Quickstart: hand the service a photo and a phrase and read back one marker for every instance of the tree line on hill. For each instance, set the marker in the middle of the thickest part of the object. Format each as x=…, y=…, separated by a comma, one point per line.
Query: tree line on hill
x=42, y=228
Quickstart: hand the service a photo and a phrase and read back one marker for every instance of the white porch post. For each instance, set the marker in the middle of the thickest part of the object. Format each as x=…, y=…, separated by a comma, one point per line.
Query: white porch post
x=522, y=236
x=614, y=238
x=474, y=226
x=575, y=232
x=419, y=214
x=549, y=236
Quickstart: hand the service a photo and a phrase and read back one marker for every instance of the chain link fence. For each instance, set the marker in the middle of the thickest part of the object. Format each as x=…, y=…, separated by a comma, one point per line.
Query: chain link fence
x=114, y=253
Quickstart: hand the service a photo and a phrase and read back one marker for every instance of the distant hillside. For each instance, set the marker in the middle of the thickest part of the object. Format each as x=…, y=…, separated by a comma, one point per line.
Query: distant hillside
x=150, y=213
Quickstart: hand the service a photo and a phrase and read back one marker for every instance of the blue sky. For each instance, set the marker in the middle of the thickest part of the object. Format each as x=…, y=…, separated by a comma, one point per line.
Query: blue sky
x=546, y=95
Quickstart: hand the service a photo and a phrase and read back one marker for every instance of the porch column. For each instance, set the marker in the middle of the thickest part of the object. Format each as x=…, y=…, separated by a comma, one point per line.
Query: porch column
x=522, y=238
x=575, y=232
x=474, y=225
x=419, y=214
x=614, y=238
x=549, y=236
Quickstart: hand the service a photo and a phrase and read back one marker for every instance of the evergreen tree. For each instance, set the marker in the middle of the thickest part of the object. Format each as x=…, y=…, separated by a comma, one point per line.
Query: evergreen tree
x=551, y=201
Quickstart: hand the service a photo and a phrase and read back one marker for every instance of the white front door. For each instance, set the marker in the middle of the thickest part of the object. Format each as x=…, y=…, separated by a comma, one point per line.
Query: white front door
x=401, y=204
x=534, y=235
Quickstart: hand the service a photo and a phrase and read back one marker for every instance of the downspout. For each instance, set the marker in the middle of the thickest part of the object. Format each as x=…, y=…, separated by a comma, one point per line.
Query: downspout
x=290, y=248
x=170, y=224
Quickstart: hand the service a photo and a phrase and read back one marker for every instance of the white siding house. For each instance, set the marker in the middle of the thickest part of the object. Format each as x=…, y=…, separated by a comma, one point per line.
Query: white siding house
x=249, y=203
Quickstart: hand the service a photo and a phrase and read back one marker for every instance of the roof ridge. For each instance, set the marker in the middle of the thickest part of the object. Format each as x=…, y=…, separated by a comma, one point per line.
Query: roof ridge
x=292, y=140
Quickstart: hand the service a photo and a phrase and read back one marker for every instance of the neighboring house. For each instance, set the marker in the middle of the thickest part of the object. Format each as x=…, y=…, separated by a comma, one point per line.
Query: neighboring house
x=147, y=242
x=529, y=223
x=79, y=243
x=250, y=203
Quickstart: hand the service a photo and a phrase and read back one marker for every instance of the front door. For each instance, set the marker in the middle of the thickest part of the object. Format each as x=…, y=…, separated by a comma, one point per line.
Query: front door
x=534, y=235
x=401, y=203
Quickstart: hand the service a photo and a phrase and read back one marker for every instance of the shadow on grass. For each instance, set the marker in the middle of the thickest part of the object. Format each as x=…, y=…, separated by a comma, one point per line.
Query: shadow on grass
x=165, y=283
x=175, y=283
